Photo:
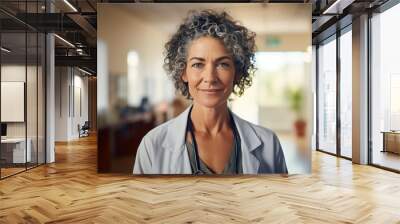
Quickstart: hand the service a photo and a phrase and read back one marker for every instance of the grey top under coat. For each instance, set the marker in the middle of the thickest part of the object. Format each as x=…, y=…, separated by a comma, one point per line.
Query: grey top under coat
x=232, y=167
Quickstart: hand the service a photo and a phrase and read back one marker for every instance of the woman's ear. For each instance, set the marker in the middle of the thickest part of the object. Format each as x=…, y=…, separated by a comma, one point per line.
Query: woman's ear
x=184, y=76
x=237, y=78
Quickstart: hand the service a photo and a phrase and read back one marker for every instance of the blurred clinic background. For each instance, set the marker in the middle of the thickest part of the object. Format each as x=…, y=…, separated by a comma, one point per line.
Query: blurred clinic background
x=135, y=94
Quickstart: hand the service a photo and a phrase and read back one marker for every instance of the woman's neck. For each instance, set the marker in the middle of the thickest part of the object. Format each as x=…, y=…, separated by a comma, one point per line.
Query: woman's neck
x=210, y=121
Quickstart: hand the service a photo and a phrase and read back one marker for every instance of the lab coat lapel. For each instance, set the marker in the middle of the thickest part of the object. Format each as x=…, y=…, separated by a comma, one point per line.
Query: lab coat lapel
x=249, y=142
x=175, y=143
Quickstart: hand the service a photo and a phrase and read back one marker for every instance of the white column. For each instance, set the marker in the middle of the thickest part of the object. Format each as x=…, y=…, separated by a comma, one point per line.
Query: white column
x=50, y=99
x=360, y=90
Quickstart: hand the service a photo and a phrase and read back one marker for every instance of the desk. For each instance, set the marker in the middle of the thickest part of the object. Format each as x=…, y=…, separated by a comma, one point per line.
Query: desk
x=16, y=148
x=391, y=141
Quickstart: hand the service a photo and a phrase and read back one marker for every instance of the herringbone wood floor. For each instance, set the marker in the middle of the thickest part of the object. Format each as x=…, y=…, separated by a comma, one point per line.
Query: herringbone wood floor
x=70, y=191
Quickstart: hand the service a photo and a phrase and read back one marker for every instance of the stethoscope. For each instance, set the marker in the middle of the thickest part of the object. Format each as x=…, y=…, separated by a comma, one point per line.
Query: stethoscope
x=196, y=153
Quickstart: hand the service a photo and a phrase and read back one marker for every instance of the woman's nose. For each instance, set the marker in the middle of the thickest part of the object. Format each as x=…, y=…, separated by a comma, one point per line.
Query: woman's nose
x=210, y=74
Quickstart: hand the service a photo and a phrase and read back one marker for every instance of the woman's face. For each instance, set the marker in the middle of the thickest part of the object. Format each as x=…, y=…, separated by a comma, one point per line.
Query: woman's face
x=209, y=72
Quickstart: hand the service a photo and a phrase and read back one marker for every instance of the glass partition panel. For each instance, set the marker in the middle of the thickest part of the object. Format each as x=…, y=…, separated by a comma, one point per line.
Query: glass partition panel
x=22, y=88
x=385, y=89
x=14, y=153
x=31, y=98
x=346, y=94
x=327, y=96
x=41, y=98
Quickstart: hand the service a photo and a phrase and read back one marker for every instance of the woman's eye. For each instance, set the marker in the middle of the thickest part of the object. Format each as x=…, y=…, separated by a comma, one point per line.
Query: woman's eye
x=197, y=65
x=224, y=65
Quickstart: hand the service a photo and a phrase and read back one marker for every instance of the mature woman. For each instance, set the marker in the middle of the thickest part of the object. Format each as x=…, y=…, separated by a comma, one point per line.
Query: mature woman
x=208, y=58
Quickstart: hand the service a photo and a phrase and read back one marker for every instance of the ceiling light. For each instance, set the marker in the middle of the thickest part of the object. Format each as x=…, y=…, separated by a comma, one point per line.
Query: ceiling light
x=5, y=49
x=64, y=40
x=338, y=6
x=70, y=5
x=84, y=71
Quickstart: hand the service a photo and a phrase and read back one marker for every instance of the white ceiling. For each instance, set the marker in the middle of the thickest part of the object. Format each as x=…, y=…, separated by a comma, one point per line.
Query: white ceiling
x=262, y=18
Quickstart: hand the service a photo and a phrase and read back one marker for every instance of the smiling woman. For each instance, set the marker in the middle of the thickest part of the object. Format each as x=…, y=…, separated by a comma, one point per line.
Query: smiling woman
x=208, y=58
x=210, y=72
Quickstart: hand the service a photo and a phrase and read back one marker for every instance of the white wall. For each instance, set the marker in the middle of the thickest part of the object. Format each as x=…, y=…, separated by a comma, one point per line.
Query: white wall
x=69, y=85
x=61, y=103
x=12, y=73
x=80, y=84
x=133, y=34
x=33, y=126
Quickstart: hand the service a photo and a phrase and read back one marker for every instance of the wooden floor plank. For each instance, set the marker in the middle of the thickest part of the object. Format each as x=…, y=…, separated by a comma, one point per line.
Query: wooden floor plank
x=71, y=191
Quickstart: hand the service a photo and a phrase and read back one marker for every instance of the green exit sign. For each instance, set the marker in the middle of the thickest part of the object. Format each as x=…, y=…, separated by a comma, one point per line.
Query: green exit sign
x=273, y=41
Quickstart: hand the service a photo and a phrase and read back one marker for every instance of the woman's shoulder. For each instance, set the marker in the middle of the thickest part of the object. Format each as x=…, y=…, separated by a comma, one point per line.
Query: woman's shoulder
x=167, y=133
x=151, y=153
x=158, y=132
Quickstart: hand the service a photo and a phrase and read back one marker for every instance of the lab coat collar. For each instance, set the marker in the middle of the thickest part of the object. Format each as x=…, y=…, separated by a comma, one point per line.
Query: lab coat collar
x=175, y=142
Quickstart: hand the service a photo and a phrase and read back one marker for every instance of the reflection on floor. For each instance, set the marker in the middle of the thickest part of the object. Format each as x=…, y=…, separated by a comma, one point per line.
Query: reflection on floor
x=387, y=159
x=347, y=152
x=11, y=169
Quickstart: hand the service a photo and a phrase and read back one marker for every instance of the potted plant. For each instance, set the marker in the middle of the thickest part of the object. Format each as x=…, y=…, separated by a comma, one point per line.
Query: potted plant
x=295, y=98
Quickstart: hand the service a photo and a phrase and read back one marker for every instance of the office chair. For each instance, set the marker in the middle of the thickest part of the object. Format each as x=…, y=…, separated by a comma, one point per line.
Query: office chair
x=84, y=130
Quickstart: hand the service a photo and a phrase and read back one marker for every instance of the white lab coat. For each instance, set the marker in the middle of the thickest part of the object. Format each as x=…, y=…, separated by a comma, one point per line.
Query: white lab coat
x=163, y=149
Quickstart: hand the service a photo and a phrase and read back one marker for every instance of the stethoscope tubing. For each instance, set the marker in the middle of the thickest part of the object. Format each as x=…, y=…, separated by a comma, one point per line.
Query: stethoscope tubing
x=196, y=153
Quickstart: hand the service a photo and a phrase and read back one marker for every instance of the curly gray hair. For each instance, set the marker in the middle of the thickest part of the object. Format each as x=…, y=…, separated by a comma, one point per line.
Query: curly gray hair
x=238, y=40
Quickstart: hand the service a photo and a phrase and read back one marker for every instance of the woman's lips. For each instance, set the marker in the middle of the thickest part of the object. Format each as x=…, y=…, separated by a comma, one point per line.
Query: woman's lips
x=211, y=90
